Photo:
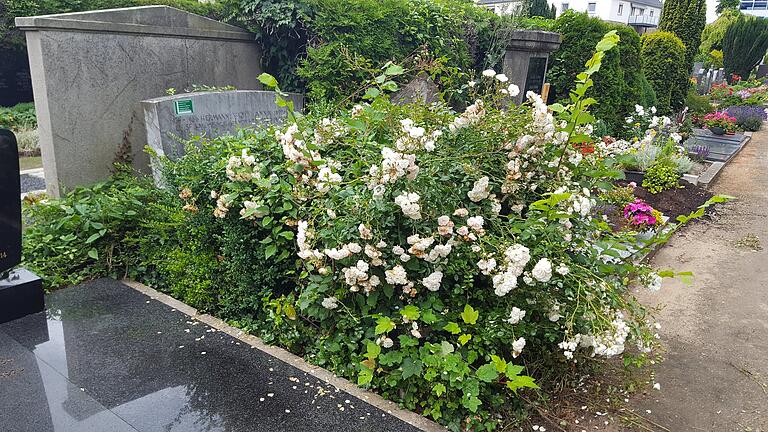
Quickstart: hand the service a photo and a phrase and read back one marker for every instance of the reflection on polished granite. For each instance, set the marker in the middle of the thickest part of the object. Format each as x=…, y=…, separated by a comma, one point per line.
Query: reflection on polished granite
x=104, y=357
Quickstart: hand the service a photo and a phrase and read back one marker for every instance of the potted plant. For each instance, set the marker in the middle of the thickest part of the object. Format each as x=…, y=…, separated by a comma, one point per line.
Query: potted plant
x=720, y=122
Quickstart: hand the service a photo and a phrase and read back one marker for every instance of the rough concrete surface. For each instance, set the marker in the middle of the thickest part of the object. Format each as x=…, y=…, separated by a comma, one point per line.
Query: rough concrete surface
x=714, y=376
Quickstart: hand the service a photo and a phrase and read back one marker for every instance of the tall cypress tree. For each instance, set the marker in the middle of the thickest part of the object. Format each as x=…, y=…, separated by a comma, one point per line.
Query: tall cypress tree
x=744, y=45
x=686, y=19
x=538, y=8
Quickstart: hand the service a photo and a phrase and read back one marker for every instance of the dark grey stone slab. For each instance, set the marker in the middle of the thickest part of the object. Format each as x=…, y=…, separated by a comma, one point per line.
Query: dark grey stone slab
x=159, y=370
x=21, y=293
x=36, y=398
x=10, y=205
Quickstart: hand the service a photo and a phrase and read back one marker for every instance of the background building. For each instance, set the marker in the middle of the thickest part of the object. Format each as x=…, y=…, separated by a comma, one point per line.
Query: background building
x=754, y=7
x=642, y=15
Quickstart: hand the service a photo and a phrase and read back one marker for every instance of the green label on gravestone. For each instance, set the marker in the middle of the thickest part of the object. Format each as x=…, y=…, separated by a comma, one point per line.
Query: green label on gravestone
x=183, y=107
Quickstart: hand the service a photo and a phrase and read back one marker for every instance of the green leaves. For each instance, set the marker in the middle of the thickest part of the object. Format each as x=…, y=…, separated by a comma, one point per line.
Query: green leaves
x=384, y=325
x=268, y=80
x=452, y=327
x=470, y=315
x=411, y=312
x=487, y=372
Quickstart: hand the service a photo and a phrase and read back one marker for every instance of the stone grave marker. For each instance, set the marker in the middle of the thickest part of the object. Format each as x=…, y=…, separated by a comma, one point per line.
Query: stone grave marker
x=21, y=291
x=172, y=119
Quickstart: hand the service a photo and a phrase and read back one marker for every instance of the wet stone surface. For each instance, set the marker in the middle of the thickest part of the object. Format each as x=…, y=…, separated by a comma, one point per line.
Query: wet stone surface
x=106, y=357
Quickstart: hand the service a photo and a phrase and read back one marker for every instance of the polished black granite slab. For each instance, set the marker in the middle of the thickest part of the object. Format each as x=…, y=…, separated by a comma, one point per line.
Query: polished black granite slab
x=106, y=357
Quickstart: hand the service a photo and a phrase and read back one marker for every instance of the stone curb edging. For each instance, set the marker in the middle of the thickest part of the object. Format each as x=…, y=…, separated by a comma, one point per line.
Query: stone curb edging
x=371, y=398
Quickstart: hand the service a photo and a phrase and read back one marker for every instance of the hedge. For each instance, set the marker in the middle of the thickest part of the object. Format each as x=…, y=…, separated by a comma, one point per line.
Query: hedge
x=330, y=48
x=664, y=66
x=620, y=81
x=10, y=37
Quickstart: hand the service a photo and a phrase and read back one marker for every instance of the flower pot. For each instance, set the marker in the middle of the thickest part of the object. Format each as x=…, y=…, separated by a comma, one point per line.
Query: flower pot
x=634, y=176
x=717, y=130
x=730, y=133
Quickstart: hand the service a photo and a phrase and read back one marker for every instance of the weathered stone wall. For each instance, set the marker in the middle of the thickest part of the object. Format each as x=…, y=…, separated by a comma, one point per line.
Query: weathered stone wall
x=91, y=70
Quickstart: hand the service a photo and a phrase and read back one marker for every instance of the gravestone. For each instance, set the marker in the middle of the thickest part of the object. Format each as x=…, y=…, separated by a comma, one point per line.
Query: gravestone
x=420, y=89
x=762, y=71
x=525, y=60
x=172, y=119
x=21, y=292
x=91, y=70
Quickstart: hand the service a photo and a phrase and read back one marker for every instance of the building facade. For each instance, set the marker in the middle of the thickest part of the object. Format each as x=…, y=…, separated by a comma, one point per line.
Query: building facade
x=642, y=15
x=757, y=8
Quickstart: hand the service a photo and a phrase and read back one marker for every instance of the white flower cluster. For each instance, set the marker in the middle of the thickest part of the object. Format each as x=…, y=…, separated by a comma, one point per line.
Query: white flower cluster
x=480, y=190
x=394, y=165
x=253, y=210
x=243, y=168
x=296, y=151
x=432, y=282
x=328, y=130
x=223, y=203
x=357, y=277
x=516, y=257
x=517, y=347
x=516, y=315
x=569, y=346
x=330, y=303
x=542, y=271
x=302, y=241
x=409, y=204
x=611, y=342
x=471, y=115
x=652, y=281
x=415, y=137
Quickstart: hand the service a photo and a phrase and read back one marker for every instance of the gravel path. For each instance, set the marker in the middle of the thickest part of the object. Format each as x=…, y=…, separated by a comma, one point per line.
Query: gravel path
x=715, y=373
x=31, y=183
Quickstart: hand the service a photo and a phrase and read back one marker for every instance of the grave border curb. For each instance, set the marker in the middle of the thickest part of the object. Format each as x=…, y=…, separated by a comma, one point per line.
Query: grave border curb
x=377, y=401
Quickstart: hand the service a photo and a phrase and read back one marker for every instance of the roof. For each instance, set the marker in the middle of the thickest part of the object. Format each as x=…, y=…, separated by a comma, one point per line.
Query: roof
x=155, y=20
x=650, y=3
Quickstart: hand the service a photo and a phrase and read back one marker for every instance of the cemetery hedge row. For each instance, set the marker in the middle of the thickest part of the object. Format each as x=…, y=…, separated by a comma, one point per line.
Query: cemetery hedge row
x=620, y=82
x=11, y=38
x=329, y=48
x=446, y=260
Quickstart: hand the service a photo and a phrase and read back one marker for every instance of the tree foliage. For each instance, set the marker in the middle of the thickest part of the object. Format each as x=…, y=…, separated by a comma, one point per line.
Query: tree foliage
x=620, y=81
x=744, y=45
x=713, y=33
x=663, y=56
x=727, y=5
x=686, y=19
x=540, y=8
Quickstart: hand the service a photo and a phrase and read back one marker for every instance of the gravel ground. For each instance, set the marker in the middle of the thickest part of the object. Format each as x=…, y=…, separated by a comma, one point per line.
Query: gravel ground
x=31, y=183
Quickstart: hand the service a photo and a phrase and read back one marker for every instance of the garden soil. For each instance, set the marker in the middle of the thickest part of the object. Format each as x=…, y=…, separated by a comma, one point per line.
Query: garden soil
x=714, y=375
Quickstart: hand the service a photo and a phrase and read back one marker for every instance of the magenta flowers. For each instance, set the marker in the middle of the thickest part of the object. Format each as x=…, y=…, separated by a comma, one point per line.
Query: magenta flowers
x=640, y=214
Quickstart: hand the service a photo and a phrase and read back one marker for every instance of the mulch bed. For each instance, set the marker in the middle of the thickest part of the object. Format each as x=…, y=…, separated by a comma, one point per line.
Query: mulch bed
x=675, y=202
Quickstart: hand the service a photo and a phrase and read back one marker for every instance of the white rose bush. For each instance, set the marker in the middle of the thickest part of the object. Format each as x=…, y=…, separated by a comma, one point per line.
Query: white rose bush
x=448, y=260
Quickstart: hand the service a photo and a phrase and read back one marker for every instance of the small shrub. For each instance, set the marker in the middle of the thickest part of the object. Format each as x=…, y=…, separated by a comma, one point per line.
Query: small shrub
x=18, y=117
x=619, y=196
x=683, y=163
x=698, y=105
x=661, y=176
x=748, y=117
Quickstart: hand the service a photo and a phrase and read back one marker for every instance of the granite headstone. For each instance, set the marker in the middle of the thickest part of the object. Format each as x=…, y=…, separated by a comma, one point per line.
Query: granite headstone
x=21, y=291
x=10, y=202
x=171, y=119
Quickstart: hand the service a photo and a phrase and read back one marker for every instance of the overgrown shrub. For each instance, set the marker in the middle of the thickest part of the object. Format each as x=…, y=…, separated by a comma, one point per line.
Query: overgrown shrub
x=744, y=45
x=330, y=48
x=663, y=56
x=448, y=261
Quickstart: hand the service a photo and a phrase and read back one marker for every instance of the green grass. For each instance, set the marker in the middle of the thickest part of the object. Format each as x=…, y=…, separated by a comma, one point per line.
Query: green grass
x=26, y=163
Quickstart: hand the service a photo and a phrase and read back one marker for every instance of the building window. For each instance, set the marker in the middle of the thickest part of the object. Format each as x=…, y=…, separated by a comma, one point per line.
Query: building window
x=591, y=7
x=651, y=13
x=621, y=9
x=563, y=7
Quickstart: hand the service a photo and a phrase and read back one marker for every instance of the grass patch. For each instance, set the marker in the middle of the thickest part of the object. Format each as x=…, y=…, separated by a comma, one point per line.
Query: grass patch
x=33, y=162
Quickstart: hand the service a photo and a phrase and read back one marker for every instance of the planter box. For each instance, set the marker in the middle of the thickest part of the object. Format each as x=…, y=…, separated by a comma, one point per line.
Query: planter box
x=634, y=176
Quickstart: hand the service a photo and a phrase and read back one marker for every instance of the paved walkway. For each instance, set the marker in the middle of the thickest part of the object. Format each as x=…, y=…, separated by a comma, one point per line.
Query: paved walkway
x=105, y=357
x=715, y=373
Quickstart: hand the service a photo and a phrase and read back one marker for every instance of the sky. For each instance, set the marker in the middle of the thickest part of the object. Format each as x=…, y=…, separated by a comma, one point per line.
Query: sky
x=711, y=15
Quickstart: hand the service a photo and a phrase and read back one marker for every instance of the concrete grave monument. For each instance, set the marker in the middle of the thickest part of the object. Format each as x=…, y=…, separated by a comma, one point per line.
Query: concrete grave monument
x=21, y=291
x=91, y=70
x=525, y=61
x=171, y=119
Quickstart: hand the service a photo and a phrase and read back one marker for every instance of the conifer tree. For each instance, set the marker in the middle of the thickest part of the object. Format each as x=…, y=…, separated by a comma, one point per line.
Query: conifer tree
x=744, y=45
x=686, y=19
